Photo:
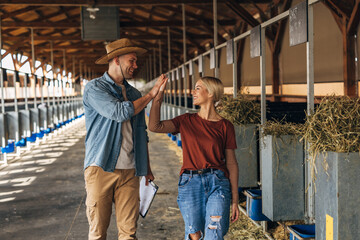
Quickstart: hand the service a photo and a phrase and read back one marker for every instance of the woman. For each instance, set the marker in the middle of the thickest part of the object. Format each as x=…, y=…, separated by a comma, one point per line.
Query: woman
x=209, y=175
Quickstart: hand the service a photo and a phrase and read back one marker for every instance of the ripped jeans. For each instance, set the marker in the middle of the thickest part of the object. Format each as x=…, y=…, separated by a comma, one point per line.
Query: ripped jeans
x=204, y=202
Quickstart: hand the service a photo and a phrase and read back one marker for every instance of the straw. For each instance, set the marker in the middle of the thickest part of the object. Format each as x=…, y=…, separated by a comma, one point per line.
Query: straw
x=240, y=110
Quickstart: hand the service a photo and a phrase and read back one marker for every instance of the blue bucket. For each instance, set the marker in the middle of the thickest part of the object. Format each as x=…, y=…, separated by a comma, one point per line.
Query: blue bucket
x=254, y=205
x=21, y=143
x=47, y=131
x=32, y=138
x=173, y=137
x=9, y=148
x=302, y=232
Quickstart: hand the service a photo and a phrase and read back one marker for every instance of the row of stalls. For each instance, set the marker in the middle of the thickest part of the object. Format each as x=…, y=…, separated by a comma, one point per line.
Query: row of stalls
x=29, y=113
x=272, y=177
x=279, y=175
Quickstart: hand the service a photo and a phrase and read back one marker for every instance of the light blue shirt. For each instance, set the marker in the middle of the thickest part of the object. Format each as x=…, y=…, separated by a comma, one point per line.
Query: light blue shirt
x=105, y=110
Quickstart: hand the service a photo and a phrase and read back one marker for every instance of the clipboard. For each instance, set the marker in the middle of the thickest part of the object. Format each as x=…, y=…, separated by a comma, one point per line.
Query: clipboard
x=147, y=195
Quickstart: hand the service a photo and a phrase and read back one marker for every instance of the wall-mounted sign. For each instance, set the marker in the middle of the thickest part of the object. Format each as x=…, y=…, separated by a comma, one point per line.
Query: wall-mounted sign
x=201, y=64
x=230, y=51
x=177, y=74
x=255, y=42
x=298, y=24
x=212, y=58
x=191, y=68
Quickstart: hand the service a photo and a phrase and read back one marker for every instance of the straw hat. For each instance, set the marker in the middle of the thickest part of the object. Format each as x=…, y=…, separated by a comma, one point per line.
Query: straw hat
x=120, y=47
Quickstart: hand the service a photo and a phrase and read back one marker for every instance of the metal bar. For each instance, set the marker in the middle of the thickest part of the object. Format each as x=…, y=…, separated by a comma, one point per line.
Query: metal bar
x=48, y=93
x=310, y=195
x=160, y=58
x=170, y=86
x=1, y=77
x=184, y=53
x=169, y=63
x=178, y=78
x=215, y=37
x=33, y=65
x=235, y=73
x=41, y=89
x=26, y=94
x=150, y=67
x=193, y=82
x=52, y=69
x=263, y=76
x=154, y=62
x=169, y=49
x=73, y=79
x=15, y=95
x=63, y=75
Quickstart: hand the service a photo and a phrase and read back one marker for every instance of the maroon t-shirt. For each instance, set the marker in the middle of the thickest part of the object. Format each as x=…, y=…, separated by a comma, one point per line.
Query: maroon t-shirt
x=204, y=142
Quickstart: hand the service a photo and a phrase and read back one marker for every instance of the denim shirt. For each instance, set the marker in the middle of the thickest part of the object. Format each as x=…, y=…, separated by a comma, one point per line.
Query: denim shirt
x=105, y=110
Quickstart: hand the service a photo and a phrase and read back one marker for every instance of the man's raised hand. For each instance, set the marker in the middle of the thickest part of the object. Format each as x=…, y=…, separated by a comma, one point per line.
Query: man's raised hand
x=161, y=80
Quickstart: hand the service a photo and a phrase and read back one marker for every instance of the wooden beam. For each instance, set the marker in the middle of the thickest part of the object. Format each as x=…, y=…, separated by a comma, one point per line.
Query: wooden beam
x=354, y=19
x=343, y=7
x=130, y=24
x=349, y=65
x=18, y=12
x=247, y=17
x=242, y=13
x=172, y=23
x=39, y=24
x=122, y=3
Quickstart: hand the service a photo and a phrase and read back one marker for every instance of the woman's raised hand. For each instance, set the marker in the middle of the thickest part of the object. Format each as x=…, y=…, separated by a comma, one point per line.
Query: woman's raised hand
x=159, y=83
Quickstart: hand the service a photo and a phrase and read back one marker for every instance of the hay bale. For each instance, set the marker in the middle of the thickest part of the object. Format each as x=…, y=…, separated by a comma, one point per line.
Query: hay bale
x=240, y=110
x=281, y=128
x=334, y=126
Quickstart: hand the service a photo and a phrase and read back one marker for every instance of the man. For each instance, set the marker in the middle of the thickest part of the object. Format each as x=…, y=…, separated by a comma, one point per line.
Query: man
x=116, y=152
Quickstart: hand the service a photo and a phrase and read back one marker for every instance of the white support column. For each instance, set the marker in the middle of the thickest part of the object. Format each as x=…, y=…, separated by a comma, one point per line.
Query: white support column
x=2, y=80
x=310, y=195
x=41, y=83
x=154, y=62
x=63, y=74
x=54, y=74
x=215, y=38
x=263, y=75
x=72, y=83
x=3, y=140
x=193, y=82
x=184, y=54
x=160, y=59
x=235, y=73
x=178, y=79
x=169, y=63
x=33, y=64
x=150, y=67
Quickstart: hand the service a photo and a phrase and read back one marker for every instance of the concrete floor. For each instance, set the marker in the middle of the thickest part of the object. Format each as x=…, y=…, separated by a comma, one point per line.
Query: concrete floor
x=42, y=192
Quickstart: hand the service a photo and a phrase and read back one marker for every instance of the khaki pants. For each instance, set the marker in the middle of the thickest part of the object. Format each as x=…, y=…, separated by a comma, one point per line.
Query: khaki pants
x=104, y=188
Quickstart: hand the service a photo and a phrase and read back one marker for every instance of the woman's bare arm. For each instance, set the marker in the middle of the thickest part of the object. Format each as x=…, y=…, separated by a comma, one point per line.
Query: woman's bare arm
x=233, y=169
x=155, y=125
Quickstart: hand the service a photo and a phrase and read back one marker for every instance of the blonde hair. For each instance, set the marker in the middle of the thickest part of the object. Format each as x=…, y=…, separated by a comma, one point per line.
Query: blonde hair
x=214, y=87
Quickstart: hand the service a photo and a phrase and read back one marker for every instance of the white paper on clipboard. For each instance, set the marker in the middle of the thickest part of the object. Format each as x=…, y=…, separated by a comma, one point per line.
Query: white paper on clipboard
x=147, y=194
